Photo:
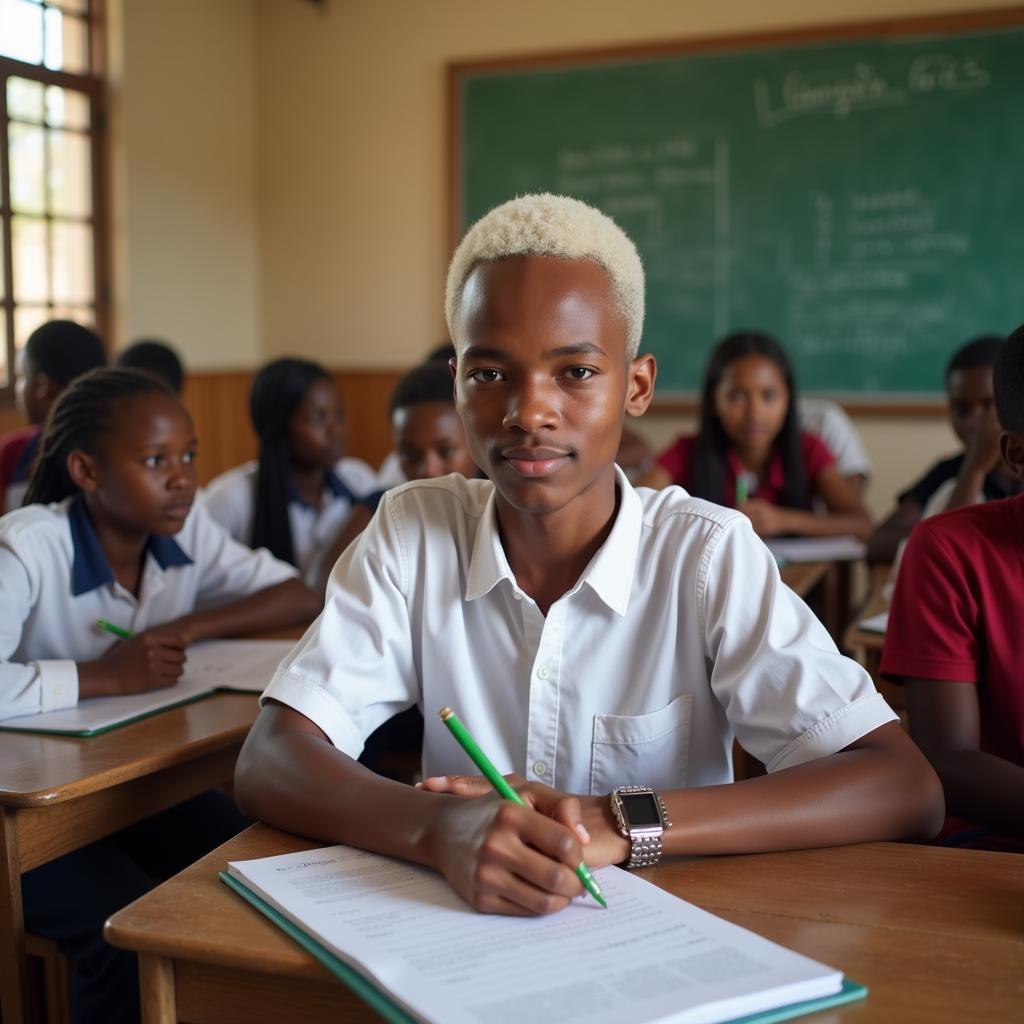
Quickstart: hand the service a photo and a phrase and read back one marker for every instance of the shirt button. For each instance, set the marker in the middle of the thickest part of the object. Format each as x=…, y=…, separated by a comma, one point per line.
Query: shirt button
x=539, y=768
x=58, y=691
x=543, y=672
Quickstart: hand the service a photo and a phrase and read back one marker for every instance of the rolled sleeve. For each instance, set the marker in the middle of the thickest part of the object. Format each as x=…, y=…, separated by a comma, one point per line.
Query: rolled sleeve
x=788, y=693
x=354, y=669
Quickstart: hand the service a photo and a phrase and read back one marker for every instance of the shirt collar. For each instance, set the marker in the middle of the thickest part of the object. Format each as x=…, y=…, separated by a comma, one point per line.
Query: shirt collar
x=89, y=566
x=610, y=573
x=332, y=483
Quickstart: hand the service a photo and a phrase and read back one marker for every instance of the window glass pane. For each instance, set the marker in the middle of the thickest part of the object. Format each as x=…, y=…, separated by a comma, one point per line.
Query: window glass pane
x=25, y=100
x=66, y=108
x=70, y=177
x=73, y=281
x=26, y=152
x=84, y=315
x=67, y=42
x=26, y=320
x=21, y=30
x=29, y=236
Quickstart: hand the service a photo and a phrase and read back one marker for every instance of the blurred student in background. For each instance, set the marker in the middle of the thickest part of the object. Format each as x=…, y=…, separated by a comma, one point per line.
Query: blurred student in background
x=54, y=355
x=750, y=453
x=155, y=357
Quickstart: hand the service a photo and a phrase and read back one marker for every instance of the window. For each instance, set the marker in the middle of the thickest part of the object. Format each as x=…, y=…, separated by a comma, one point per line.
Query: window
x=52, y=254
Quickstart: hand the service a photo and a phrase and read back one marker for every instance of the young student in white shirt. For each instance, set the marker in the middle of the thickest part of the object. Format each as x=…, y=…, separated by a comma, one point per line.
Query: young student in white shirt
x=296, y=498
x=590, y=636
x=110, y=532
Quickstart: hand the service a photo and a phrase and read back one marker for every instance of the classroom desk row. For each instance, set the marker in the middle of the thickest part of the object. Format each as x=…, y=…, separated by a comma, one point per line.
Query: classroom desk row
x=935, y=934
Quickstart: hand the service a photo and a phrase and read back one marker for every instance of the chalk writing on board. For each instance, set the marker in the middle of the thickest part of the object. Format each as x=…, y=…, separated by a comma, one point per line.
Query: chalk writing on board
x=664, y=190
x=939, y=71
x=839, y=93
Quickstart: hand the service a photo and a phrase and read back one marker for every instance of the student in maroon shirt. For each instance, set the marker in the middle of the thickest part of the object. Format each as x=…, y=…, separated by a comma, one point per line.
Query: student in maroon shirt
x=956, y=639
x=749, y=451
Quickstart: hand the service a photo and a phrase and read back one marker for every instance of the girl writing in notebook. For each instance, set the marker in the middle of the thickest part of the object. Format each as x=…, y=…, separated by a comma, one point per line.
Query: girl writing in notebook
x=750, y=453
x=110, y=532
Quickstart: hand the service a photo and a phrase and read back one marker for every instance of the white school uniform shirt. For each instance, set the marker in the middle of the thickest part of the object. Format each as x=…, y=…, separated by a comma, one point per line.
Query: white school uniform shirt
x=55, y=582
x=230, y=499
x=677, y=634
x=828, y=421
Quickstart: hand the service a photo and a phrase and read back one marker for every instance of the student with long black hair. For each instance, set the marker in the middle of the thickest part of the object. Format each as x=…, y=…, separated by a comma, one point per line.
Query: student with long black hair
x=109, y=531
x=296, y=498
x=749, y=451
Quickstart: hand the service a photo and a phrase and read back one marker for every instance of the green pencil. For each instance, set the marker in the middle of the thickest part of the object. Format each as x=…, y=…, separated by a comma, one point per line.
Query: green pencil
x=497, y=780
x=124, y=634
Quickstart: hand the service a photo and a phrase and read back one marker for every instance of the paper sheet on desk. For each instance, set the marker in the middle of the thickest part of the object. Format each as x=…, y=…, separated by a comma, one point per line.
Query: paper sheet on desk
x=817, y=549
x=244, y=665
x=650, y=957
x=875, y=624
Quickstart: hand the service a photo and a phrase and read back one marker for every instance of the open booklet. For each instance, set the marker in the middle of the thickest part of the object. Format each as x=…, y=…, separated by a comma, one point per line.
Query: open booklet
x=245, y=665
x=404, y=942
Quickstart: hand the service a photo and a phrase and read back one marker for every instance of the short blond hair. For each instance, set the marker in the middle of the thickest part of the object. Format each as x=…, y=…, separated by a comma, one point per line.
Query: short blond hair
x=550, y=225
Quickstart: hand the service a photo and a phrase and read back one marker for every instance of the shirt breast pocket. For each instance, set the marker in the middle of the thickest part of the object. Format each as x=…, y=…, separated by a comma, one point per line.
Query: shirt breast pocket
x=642, y=750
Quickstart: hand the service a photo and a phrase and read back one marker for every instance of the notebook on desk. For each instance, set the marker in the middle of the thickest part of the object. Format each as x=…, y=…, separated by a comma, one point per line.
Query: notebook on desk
x=241, y=665
x=401, y=939
x=816, y=549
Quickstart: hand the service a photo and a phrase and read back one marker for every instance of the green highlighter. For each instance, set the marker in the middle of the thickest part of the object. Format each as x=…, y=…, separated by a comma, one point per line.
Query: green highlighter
x=497, y=780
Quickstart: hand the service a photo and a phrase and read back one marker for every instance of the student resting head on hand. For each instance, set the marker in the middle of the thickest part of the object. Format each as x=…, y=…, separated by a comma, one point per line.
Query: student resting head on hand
x=589, y=635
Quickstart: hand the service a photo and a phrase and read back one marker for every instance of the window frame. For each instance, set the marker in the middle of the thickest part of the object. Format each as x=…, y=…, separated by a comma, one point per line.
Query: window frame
x=91, y=85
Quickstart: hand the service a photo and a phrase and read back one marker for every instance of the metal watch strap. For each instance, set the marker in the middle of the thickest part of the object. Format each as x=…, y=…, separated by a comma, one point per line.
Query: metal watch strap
x=645, y=851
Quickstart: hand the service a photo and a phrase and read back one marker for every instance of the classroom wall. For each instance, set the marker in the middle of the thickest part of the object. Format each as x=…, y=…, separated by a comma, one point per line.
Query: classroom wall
x=352, y=150
x=184, y=170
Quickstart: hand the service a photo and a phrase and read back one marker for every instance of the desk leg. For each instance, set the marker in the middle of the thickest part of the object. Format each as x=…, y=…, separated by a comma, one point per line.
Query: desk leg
x=13, y=980
x=156, y=989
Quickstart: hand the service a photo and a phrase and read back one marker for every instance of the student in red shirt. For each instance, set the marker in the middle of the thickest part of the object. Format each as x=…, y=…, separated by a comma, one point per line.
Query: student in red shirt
x=955, y=638
x=750, y=453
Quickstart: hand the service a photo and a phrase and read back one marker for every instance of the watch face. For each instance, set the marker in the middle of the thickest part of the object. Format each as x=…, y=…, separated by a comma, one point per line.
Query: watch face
x=641, y=809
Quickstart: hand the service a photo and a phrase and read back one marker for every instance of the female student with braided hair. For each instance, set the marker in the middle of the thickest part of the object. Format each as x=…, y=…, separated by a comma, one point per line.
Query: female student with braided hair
x=297, y=497
x=109, y=532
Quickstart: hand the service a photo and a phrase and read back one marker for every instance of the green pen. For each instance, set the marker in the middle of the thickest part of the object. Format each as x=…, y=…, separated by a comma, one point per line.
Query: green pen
x=124, y=634
x=497, y=780
x=742, y=488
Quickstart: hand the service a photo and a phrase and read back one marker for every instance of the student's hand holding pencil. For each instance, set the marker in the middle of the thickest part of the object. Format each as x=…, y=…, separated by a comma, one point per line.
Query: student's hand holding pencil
x=503, y=858
x=602, y=842
x=144, y=661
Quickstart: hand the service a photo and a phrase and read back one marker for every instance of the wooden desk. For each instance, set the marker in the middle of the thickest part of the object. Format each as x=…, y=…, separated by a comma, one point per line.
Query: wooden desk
x=803, y=577
x=937, y=935
x=58, y=793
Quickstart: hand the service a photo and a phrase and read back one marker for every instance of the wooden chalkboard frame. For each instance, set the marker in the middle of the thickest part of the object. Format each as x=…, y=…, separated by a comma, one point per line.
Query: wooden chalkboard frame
x=938, y=24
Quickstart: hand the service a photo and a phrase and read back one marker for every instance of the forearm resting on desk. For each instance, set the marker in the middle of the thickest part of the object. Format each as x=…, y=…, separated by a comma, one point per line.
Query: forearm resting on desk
x=878, y=788
x=283, y=604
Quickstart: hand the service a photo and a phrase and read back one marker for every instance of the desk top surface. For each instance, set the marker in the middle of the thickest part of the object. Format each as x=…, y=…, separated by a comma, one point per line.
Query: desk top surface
x=931, y=932
x=37, y=770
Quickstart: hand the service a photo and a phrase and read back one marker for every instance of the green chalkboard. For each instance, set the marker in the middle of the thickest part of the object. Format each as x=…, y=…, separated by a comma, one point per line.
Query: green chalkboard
x=862, y=198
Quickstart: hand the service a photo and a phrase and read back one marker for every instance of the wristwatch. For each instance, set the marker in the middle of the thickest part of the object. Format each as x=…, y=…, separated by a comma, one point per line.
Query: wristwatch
x=642, y=819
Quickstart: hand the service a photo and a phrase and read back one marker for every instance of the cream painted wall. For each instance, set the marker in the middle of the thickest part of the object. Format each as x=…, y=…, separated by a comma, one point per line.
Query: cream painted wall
x=184, y=174
x=352, y=151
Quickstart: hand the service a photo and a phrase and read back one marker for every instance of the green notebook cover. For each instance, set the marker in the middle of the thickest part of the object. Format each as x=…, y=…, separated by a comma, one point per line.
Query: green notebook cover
x=390, y=1011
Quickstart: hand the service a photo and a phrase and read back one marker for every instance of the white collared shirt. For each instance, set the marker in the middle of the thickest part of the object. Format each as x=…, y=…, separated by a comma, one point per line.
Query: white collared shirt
x=678, y=633
x=828, y=421
x=55, y=583
x=230, y=500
